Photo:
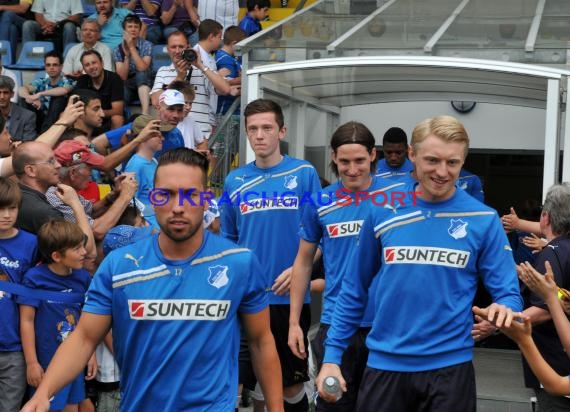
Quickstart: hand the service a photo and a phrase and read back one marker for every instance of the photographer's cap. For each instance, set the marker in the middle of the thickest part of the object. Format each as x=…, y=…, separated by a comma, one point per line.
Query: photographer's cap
x=171, y=97
x=142, y=120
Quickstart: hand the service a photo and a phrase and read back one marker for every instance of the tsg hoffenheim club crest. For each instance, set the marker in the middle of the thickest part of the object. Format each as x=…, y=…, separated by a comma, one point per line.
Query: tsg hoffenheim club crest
x=290, y=182
x=218, y=276
x=457, y=228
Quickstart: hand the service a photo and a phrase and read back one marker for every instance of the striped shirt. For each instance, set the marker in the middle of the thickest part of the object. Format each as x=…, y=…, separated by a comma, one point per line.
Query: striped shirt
x=205, y=103
x=224, y=12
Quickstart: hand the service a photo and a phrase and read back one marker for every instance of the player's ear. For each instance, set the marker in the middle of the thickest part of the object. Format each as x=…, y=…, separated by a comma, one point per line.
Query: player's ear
x=373, y=154
x=282, y=132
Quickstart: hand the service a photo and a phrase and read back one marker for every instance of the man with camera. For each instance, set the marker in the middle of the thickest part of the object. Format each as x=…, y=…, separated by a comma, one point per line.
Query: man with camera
x=199, y=69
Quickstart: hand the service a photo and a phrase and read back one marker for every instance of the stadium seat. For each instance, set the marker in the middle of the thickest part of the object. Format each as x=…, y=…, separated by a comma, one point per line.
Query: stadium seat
x=160, y=57
x=6, y=52
x=67, y=47
x=32, y=55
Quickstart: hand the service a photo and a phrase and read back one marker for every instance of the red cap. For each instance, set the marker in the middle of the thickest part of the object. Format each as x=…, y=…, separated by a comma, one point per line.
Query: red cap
x=71, y=153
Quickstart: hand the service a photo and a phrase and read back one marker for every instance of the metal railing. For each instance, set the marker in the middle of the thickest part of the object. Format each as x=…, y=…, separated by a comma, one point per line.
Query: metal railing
x=224, y=147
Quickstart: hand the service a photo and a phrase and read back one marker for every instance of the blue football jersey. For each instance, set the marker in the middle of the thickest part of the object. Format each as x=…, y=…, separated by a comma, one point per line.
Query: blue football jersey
x=335, y=220
x=175, y=326
x=386, y=171
x=471, y=183
x=428, y=258
x=261, y=209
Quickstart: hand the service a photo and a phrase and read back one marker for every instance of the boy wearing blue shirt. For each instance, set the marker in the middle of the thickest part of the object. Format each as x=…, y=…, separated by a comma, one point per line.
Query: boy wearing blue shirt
x=175, y=300
x=428, y=257
x=336, y=229
x=257, y=11
x=229, y=65
x=18, y=251
x=45, y=324
x=143, y=165
x=261, y=209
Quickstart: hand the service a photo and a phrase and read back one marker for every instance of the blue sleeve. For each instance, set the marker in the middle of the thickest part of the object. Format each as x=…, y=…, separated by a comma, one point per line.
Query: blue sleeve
x=477, y=189
x=29, y=280
x=308, y=209
x=315, y=182
x=35, y=85
x=114, y=136
x=100, y=293
x=117, y=55
x=249, y=26
x=224, y=62
x=353, y=297
x=310, y=229
x=256, y=298
x=228, y=214
x=497, y=267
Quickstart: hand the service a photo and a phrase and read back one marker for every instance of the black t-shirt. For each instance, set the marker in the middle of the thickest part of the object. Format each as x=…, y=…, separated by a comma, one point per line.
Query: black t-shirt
x=557, y=252
x=111, y=89
x=35, y=210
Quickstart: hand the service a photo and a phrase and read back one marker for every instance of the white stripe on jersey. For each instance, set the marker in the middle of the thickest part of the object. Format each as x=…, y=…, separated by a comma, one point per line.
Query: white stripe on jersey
x=397, y=218
x=464, y=214
x=260, y=179
x=246, y=185
x=122, y=276
x=292, y=170
x=219, y=255
x=141, y=278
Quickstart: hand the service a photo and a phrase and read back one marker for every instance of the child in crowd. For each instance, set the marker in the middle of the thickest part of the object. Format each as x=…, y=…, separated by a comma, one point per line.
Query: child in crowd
x=132, y=216
x=229, y=66
x=44, y=324
x=19, y=252
x=257, y=11
x=143, y=165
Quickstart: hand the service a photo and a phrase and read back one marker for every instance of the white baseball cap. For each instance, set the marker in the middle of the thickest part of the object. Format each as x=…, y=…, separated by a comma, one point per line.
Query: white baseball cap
x=171, y=97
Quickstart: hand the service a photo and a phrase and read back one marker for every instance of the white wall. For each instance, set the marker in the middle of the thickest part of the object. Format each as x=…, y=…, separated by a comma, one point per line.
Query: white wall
x=490, y=126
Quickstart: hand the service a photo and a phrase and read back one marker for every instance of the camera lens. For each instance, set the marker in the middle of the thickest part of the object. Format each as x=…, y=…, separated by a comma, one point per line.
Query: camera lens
x=189, y=55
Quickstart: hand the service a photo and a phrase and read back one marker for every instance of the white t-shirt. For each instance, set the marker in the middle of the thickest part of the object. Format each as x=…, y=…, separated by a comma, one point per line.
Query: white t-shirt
x=191, y=132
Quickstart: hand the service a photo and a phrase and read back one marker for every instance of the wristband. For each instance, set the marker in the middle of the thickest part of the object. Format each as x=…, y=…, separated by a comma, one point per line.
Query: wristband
x=60, y=124
x=205, y=70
